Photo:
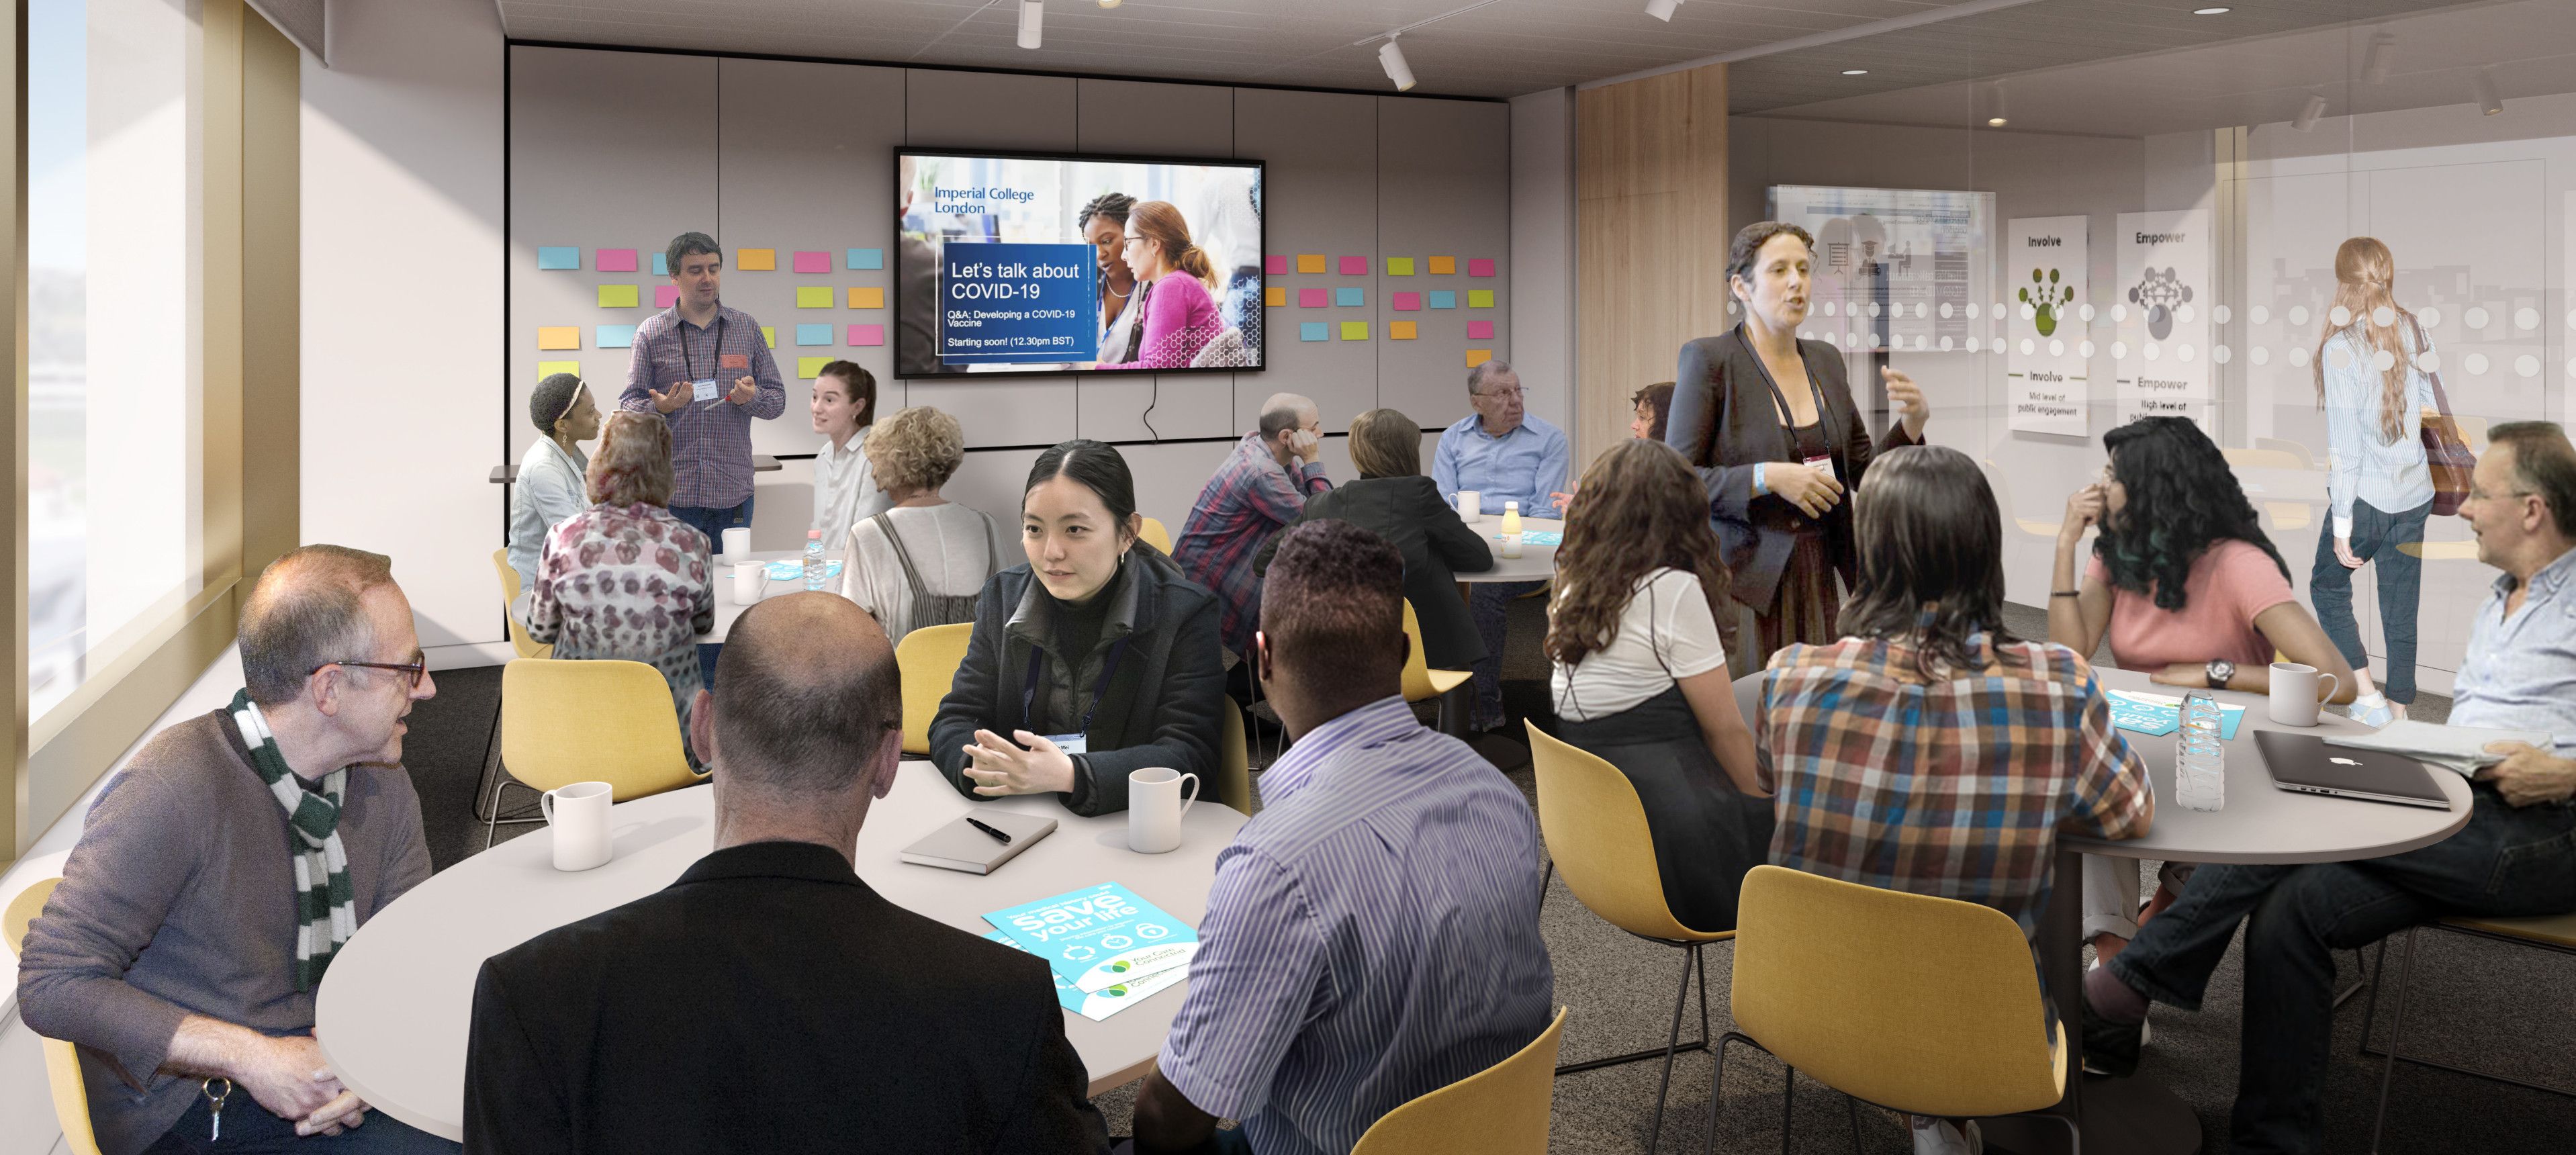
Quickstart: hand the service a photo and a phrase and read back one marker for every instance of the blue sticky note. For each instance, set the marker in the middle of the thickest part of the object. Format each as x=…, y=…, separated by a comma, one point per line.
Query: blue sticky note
x=613, y=336
x=1441, y=299
x=1314, y=331
x=866, y=258
x=813, y=334
x=1347, y=297
x=661, y=264
x=559, y=256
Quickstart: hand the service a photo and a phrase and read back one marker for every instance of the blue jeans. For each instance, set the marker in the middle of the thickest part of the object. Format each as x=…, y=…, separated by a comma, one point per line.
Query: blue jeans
x=2375, y=538
x=2505, y=863
x=1488, y=603
x=713, y=522
x=249, y=1128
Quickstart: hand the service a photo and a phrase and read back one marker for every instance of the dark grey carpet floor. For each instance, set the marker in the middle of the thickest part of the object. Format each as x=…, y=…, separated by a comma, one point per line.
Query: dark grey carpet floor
x=2475, y=1002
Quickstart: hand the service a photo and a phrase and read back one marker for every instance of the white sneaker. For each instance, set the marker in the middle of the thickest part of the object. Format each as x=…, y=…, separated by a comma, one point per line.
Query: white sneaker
x=1943, y=1137
x=2371, y=711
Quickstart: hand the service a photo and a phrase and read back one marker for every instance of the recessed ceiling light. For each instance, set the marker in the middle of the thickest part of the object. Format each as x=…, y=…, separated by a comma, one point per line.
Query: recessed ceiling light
x=1855, y=72
x=2211, y=11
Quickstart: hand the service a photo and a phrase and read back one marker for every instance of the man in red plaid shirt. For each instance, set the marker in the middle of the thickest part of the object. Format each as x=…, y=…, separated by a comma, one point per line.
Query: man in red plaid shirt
x=1262, y=486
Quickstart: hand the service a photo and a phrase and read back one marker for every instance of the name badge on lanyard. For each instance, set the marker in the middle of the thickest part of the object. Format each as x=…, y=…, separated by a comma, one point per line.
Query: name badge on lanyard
x=705, y=387
x=1824, y=461
x=1071, y=743
x=1078, y=742
x=702, y=388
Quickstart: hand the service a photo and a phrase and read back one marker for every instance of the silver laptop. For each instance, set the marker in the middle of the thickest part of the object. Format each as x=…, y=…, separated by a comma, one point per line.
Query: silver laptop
x=2303, y=762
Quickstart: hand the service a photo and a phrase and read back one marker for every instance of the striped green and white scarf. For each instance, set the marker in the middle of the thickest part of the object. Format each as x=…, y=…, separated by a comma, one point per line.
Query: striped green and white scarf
x=326, y=911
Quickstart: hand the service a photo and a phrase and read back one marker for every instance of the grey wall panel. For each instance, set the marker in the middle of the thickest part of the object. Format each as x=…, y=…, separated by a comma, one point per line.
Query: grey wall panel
x=1541, y=303
x=806, y=164
x=607, y=150
x=1147, y=119
x=1443, y=189
x=1320, y=196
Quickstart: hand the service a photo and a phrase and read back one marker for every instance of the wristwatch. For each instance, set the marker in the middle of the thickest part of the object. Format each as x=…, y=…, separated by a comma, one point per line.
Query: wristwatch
x=2221, y=672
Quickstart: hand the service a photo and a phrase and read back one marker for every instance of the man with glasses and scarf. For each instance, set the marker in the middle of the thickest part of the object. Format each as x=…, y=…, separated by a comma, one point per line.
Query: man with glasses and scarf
x=219, y=873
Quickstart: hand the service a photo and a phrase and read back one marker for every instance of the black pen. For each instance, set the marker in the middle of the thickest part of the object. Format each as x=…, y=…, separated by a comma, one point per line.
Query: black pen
x=1005, y=838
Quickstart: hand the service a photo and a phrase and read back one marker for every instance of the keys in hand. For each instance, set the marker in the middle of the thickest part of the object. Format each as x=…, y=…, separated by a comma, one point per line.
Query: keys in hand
x=215, y=1101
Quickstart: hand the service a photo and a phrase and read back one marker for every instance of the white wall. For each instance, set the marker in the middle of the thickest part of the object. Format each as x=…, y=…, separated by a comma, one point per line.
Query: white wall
x=402, y=283
x=1542, y=301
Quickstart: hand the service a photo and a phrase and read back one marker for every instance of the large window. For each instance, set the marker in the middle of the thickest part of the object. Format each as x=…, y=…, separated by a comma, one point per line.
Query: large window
x=115, y=498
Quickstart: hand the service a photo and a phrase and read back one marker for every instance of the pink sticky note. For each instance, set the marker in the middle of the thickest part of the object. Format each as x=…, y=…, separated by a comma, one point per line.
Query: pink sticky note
x=665, y=296
x=1313, y=299
x=813, y=262
x=1355, y=266
x=1275, y=265
x=1480, y=330
x=1406, y=302
x=616, y=260
x=875, y=335
x=1480, y=267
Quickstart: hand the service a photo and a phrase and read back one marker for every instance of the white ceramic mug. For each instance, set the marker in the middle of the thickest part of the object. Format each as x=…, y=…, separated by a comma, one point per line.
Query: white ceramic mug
x=2296, y=695
x=1155, y=807
x=737, y=541
x=748, y=578
x=1471, y=505
x=579, y=815
x=1511, y=545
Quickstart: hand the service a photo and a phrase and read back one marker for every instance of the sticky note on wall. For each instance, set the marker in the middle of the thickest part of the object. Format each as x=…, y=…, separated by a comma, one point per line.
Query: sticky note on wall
x=769, y=335
x=661, y=264
x=559, y=337
x=1348, y=297
x=1354, y=330
x=1275, y=264
x=1312, y=299
x=866, y=258
x=809, y=368
x=1399, y=330
x=558, y=257
x=865, y=335
x=1307, y=262
x=814, y=296
x=1480, y=298
x=1405, y=302
x=1441, y=298
x=1477, y=357
x=756, y=260
x=613, y=336
x=665, y=296
x=813, y=334
x=1399, y=266
x=867, y=298
x=617, y=296
x=1444, y=266
x=1480, y=267
x=1314, y=331
x=1274, y=296
x=616, y=260
x=547, y=369
x=1355, y=266
x=808, y=261
x=1480, y=330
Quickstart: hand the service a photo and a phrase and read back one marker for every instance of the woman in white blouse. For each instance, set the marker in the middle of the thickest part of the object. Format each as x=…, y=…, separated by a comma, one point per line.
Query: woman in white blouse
x=922, y=561
x=845, y=488
x=549, y=487
x=1640, y=672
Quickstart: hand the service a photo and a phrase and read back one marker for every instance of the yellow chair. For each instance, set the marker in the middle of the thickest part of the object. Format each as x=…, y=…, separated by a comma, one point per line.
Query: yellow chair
x=2289, y=514
x=1913, y=1003
x=2473, y=430
x=1232, y=782
x=2555, y=933
x=2003, y=498
x=2294, y=450
x=62, y=1060
x=2440, y=550
x=2265, y=458
x=1501, y=1110
x=1153, y=534
x=520, y=642
x=1422, y=682
x=928, y=657
x=1598, y=839
x=566, y=721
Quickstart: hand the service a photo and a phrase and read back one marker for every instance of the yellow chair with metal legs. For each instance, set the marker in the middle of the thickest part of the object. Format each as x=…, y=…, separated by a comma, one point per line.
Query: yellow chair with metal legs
x=1152, y=533
x=1421, y=682
x=62, y=1060
x=1917, y=1004
x=1598, y=838
x=929, y=658
x=1501, y=1110
x=520, y=642
x=2556, y=933
x=566, y=721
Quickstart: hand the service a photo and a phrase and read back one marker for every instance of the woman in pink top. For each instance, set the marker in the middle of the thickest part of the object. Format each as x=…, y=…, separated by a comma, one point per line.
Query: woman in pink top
x=1179, y=316
x=2190, y=591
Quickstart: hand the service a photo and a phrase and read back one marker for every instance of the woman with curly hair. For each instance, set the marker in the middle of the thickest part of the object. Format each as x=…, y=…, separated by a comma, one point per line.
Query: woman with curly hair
x=2188, y=590
x=1640, y=672
x=923, y=560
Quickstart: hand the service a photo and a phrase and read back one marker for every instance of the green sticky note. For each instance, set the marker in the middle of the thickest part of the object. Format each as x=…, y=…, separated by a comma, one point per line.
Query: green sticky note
x=1399, y=266
x=617, y=296
x=547, y=369
x=769, y=335
x=814, y=296
x=1480, y=298
x=1354, y=330
x=809, y=368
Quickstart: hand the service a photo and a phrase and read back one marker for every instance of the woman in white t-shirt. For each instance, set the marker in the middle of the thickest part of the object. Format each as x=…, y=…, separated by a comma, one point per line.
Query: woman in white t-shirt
x=923, y=560
x=1640, y=672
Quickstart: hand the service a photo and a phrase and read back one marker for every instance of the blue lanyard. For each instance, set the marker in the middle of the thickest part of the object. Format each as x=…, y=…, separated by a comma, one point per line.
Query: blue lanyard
x=1029, y=688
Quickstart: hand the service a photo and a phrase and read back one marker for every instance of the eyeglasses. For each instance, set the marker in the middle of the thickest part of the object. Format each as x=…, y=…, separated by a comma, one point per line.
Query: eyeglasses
x=417, y=667
x=2477, y=494
x=1512, y=394
x=1133, y=241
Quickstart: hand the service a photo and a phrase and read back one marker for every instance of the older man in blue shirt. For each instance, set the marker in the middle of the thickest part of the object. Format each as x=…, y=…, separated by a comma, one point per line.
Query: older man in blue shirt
x=1503, y=454
x=2515, y=858
x=1372, y=934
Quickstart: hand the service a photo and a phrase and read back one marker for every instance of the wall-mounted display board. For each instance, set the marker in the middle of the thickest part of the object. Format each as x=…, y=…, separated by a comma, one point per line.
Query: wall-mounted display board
x=2045, y=279
x=1895, y=268
x=2161, y=305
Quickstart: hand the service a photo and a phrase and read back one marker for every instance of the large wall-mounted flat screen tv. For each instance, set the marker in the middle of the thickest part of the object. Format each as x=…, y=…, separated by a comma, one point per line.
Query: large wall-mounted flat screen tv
x=1028, y=263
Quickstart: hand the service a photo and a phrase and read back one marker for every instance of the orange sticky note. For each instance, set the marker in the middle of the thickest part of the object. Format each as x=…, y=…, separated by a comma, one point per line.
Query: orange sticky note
x=1444, y=266
x=1310, y=262
x=1399, y=330
x=559, y=337
x=1477, y=357
x=1274, y=296
x=756, y=260
x=867, y=298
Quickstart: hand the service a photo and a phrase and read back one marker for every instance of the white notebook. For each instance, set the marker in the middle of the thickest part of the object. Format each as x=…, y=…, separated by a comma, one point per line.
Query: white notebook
x=960, y=845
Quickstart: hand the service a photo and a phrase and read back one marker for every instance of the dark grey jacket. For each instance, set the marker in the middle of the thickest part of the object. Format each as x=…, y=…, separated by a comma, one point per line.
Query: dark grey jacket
x=1160, y=707
x=1437, y=546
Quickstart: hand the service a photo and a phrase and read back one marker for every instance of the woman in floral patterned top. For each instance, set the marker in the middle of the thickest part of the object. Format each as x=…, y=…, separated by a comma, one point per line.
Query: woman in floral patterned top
x=624, y=578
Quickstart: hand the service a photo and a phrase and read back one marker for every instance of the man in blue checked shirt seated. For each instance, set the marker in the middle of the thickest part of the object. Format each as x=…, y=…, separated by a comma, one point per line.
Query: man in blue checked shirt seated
x=1502, y=454
x=1372, y=934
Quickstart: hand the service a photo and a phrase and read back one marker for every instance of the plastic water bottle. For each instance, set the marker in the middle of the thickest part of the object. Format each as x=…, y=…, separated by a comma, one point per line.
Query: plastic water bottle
x=1511, y=517
x=814, y=559
x=2200, y=758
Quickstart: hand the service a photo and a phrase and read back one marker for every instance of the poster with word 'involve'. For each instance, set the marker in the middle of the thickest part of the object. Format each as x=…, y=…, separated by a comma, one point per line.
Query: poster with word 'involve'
x=2160, y=306
x=1100, y=936
x=2046, y=355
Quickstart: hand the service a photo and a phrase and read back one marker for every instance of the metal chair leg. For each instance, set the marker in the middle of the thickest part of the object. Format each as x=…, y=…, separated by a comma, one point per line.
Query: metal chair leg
x=1663, y=1087
x=1854, y=1104
x=1788, y=1103
x=2396, y=1034
x=2370, y=1010
x=1717, y=1083
x=2345, y=995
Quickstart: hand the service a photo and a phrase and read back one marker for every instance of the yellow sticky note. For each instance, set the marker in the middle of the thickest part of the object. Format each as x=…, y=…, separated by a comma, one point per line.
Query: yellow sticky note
x=1477, y=357
x=769, y=335
x=1399, y=330
x=1399, y=266
x=559, y=337
x=867, y=298
x=1275, y=297
x=1444, y=266
x=809, y=368
x=1310, y=262
x=1480, y=298
x=756, y=260
x=617, y=296
x=547, y=369
x=1354, y=330
x=814, y=296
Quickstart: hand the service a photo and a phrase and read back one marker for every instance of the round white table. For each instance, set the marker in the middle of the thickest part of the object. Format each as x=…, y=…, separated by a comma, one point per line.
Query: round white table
x=728, y=609
x=395, y=1012
x=1537, y=563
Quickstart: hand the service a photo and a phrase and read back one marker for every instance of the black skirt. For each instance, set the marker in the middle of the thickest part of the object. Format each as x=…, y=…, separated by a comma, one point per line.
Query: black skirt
x=1707, y=833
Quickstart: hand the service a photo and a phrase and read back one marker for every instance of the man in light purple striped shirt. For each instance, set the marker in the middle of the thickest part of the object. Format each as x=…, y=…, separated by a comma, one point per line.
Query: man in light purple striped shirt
x=1372, y=934
x=707, y=370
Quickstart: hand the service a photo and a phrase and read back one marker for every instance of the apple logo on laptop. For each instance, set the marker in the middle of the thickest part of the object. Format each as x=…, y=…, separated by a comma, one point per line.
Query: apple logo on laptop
x=2343, y=761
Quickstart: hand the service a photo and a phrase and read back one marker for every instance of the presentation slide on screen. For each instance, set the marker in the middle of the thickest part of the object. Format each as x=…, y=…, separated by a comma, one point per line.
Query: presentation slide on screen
x=1046, y=264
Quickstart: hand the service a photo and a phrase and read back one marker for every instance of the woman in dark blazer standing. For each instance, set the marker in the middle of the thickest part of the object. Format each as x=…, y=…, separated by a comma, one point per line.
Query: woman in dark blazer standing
x=1393, y=500
x=1770, y=423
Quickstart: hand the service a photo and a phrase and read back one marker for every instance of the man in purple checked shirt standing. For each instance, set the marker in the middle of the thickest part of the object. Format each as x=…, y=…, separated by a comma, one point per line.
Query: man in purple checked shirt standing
x=707, y=370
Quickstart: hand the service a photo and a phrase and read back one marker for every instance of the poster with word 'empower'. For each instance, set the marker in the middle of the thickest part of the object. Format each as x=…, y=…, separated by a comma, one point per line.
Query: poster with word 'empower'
x=2045, y=275
x=2160, y=306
